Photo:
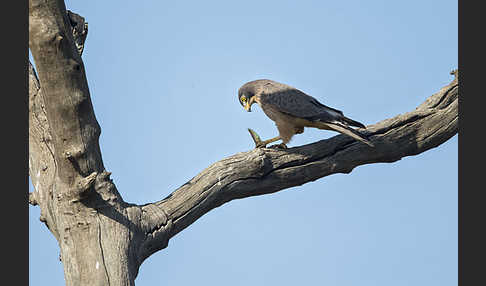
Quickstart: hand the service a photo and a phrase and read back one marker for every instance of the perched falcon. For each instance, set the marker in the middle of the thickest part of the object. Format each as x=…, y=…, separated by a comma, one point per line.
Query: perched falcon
x=292, y=110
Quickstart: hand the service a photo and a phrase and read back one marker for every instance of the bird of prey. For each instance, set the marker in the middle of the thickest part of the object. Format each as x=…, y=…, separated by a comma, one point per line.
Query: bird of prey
x=292, y=110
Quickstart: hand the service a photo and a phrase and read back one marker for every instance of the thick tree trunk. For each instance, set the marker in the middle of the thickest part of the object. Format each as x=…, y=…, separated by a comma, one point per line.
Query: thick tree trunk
x=78, y=201
x=104, y=240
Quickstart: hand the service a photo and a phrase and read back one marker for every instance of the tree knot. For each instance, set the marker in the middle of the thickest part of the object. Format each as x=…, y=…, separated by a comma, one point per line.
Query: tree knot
x=83, y=185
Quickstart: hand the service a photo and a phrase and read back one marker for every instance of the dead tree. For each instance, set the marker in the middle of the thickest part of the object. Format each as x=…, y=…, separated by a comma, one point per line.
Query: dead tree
x=103, y=239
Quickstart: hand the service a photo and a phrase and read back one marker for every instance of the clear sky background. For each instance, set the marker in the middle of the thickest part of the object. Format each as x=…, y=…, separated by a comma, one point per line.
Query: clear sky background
x=163, y=77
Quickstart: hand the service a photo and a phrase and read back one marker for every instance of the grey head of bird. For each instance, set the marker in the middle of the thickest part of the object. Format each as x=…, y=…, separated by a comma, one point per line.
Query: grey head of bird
x=247, y=92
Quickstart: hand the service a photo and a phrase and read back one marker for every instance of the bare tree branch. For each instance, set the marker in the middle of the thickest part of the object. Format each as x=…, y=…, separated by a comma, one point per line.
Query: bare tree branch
x=264, y=171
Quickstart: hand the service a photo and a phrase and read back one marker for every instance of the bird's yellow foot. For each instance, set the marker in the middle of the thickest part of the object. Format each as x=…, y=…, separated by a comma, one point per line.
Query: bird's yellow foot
x=279, y=146
x=259, y=143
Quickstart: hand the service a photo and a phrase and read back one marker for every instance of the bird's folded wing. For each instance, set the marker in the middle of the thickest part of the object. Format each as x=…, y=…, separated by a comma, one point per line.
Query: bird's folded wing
x=298, y=104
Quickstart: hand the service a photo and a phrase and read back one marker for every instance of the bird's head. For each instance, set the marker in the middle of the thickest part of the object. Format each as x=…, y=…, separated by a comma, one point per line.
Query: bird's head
x=246, y=96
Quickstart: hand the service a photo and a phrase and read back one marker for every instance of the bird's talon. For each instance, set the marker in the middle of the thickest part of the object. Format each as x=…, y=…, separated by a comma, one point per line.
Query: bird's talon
x=260, y=145
x=279, y=146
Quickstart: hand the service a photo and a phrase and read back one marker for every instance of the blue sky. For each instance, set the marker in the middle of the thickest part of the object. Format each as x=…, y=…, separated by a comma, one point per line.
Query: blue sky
x=163, y=78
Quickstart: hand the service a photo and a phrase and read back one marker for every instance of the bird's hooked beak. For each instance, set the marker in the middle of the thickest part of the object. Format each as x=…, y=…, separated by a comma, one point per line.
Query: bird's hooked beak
x=248, y=103
x=248, y=106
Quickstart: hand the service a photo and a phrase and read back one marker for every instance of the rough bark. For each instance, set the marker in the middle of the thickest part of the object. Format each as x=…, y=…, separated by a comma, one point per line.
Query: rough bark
x=103, y=240
x=78, y=201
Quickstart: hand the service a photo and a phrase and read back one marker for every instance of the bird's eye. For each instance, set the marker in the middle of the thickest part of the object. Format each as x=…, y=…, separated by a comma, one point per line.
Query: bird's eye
x=243, y=99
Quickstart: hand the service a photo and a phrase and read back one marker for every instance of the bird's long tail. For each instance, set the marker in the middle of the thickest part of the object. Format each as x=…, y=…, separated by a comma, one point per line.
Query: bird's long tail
x=344, y=129
x=352, y=122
